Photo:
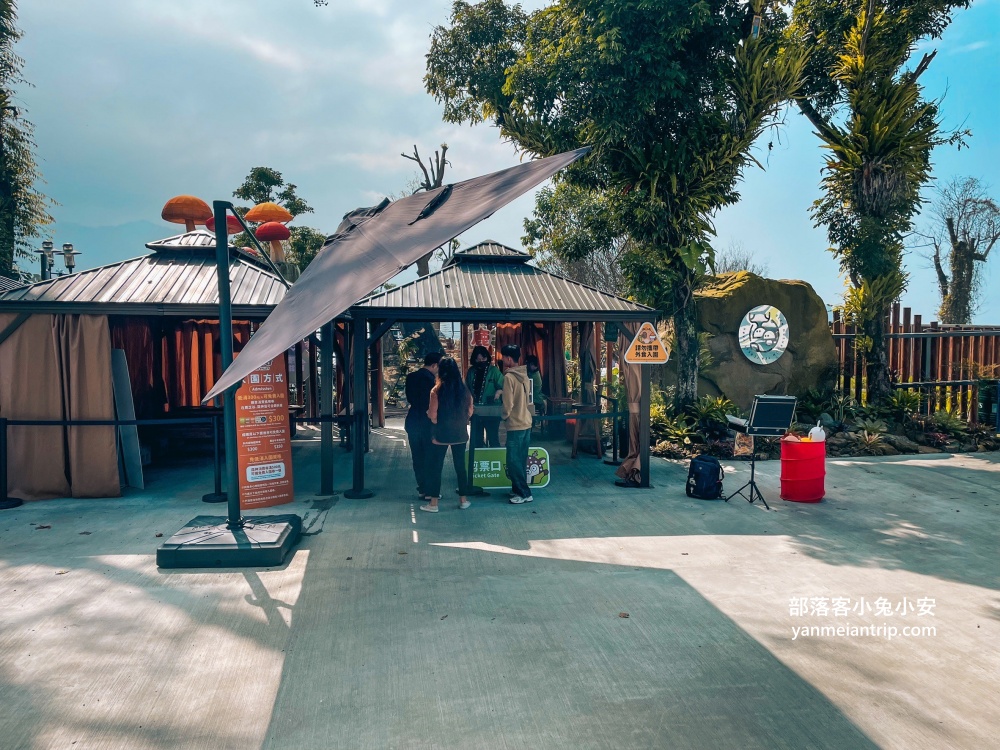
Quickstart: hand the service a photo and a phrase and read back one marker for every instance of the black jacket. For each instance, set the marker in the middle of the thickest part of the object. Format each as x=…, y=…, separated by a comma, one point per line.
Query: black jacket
x=418, y=396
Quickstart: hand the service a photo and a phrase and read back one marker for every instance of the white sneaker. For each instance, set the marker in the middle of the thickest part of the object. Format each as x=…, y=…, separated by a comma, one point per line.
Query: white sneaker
x=517, y=500
x=464, y=504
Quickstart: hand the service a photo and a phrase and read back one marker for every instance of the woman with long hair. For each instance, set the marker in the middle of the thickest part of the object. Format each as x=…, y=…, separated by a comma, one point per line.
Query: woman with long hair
x=450, y=410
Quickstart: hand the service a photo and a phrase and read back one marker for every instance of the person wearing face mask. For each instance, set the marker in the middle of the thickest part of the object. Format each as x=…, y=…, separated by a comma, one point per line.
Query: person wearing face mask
x=485, y=381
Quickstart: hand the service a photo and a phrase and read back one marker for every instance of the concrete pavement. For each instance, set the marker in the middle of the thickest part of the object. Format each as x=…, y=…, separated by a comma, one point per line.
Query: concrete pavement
x=505, y=626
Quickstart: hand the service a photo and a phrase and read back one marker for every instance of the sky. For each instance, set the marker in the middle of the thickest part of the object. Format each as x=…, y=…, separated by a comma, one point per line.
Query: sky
x=135, y=101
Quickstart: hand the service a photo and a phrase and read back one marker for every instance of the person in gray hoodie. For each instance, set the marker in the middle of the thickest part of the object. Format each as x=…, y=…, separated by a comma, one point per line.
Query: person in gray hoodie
x=517, y=410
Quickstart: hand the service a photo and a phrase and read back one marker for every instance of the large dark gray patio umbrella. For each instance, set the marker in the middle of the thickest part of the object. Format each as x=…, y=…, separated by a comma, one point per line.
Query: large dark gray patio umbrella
x=371, y=249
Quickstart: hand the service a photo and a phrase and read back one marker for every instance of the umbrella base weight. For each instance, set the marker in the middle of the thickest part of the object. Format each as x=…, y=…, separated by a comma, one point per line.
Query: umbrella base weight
x=208, y=542
x=358, y=494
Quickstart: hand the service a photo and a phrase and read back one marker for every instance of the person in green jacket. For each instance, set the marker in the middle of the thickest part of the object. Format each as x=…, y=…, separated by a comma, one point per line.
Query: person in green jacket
x=486, y=383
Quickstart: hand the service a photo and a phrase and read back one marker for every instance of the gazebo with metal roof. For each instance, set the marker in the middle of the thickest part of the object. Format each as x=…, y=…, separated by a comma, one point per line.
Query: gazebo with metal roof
x=486, y=283
x=162, y=308
x=177, y=278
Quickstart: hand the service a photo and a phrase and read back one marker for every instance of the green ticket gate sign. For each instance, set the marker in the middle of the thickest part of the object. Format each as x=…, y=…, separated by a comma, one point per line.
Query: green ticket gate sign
x=489, y=468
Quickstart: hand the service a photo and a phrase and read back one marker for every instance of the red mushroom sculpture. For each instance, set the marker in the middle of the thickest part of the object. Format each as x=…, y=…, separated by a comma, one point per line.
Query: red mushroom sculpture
x=274, y=232
x=187, y=210
x=233, y=225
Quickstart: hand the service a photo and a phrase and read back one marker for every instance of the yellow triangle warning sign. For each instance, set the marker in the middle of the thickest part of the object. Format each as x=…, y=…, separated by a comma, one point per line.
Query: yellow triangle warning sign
x=646, y=348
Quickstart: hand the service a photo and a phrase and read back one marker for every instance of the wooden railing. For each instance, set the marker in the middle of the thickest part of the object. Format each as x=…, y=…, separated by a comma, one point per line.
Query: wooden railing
x=947, y=364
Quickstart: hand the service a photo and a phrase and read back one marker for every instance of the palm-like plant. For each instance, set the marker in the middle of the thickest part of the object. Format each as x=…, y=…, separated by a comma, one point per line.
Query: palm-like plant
x=879, y=158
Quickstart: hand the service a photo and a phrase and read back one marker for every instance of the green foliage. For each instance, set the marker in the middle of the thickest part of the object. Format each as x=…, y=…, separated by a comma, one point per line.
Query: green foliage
x=303, y=245
x=266, y=185
x=871, y=426
x=574, y=233
x=709, y=415
x=870, y=443
x=811, y=404
x=864, y=98
x=842, y=407
x=950, y=423
x=670, y=96
x=23, y=209
x=903, y=404
x=866, y=301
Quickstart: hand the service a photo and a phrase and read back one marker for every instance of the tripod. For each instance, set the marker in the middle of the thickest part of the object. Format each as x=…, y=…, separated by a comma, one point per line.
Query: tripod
x=753, y=491
x=770, y=416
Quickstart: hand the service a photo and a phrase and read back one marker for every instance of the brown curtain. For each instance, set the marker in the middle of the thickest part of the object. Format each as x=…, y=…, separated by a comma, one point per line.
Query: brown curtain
x=192, y=359
x=138, y=337
x=58, y=367
x=554, y=360
x=631, y=376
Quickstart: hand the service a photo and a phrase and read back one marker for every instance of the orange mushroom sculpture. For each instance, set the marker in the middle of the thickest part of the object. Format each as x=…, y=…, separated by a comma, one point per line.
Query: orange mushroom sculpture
x=274, y=232
x=264, y=212
x=187, y=210
x=233, y=225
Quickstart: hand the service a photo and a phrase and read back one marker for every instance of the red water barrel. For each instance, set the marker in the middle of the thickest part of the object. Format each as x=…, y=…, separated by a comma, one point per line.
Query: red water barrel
x=803, y=471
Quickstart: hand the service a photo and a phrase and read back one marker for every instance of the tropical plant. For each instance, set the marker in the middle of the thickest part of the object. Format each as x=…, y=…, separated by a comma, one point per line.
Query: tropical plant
x=670, y=96
x=872, y=411
x=864, y=99
x=903, y=404
x=870, y=443
x=871, y=426
x=936, y=439
x=709, y=415
x=842, y=406
x=811, y=405
x=949, y=423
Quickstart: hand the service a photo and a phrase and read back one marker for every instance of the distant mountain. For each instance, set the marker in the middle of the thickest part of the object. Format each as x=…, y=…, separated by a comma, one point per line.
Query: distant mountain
x=100, y=246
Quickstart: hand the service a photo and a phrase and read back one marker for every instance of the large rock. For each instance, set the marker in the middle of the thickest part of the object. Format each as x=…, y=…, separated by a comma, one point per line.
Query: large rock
x=809, y=360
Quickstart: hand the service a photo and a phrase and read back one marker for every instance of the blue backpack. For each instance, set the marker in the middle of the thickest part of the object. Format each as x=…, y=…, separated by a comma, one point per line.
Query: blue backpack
x=704, y=478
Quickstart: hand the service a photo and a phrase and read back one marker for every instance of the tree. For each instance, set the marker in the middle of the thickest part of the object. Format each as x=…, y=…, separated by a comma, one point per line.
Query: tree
x=967, y=226
x=303, y=245
x=670, y=95
x=23, y=210
x=433, y=178
x=868, y=109
x=736, y=257
x=573, y=233
x=266, y=185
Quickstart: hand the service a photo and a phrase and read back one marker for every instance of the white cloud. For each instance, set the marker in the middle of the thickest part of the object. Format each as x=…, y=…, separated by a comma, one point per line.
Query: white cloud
x=971, y=47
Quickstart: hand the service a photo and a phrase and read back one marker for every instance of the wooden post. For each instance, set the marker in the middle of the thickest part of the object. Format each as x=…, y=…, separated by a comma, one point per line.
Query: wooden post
x=644, y=399
x=906, y=364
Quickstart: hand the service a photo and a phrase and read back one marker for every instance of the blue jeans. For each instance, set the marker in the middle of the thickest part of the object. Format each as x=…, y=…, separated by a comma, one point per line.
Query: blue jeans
x=517, y=461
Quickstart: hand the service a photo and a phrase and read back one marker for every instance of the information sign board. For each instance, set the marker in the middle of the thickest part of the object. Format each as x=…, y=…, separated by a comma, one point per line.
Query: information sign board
x=489, y=468
x=264, y=446
x=646, y=348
